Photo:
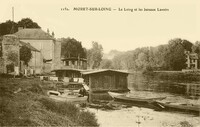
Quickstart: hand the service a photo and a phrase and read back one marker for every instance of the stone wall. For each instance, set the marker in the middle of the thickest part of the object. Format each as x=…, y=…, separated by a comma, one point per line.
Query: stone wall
x=10, y=47
x=57, y=55
x=1, y=65
x=1, y=59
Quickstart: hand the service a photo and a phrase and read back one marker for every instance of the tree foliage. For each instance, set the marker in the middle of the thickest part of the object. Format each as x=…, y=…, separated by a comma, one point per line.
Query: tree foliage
x=13, y=57
x=25, y=54
x=72, y=48
x=27, y=23
x=10, y=27
x=196, y=47
x=94, y=55
x=106, y=64
x=175, y=57
x=163, y=57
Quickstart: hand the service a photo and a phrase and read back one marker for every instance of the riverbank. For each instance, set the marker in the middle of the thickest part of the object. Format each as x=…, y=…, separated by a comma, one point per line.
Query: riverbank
x=24, y=102
x=143, y=117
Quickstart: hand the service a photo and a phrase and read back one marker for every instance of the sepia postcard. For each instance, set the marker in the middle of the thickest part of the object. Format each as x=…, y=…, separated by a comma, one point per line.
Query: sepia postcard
x=107, y=63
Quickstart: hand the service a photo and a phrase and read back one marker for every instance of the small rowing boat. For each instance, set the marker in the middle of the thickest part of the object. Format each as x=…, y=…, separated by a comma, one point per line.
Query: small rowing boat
x=67, y=96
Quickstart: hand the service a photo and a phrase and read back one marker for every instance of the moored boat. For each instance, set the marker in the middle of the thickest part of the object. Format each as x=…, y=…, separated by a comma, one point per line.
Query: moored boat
x=113, y=94
x=179, y=106
x=72, y=93
x=127, y=98
x=70, y=98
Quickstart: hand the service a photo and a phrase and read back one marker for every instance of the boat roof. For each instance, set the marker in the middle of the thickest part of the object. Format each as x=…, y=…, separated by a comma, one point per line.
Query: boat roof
x=104, y=70
x=68, y=69
x=73, y=58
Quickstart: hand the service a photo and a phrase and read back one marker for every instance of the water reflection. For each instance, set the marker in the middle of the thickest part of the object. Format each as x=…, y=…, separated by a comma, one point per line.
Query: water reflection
x=140, y=82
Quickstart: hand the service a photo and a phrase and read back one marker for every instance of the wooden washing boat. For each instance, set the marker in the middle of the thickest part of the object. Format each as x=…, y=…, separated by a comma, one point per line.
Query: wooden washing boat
x=179, y=106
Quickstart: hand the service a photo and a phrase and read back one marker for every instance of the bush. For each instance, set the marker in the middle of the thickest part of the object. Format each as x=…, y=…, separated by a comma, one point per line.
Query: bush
x=83, y=118
x=185, y=124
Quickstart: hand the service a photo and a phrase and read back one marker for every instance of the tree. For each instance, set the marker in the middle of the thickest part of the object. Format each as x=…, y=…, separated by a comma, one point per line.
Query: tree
x=8, y=27
x=25, y=54
x=94, y=55
x=70, y=47
x=1, y=48
x=187, y=45
x=175, y=57
x=117, y=62
x=196, y=47
x=13, y=57
x=160, y=54
x=106, y=64
x=142, y=61
x=27, y=23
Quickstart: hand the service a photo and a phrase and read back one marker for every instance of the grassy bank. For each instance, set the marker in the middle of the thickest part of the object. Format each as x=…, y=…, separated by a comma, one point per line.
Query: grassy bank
x=23, y=102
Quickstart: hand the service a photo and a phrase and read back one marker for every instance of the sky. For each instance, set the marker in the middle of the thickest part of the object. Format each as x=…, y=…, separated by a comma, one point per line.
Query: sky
x=119, y=28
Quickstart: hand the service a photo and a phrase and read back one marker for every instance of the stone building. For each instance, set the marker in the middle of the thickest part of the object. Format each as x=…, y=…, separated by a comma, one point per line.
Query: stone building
x=10, y=56
x=43, y=42
x=192, y=60
x=9, y=59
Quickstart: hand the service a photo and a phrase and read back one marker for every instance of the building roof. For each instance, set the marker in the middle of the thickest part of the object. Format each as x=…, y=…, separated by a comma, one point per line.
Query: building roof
x=28, y=46
x=33, y=33
x=193, y=56
x=103, y=70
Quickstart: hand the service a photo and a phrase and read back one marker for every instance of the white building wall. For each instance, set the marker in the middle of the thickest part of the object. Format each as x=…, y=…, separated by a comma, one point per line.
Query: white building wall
x=46, y=48
x=36, y=62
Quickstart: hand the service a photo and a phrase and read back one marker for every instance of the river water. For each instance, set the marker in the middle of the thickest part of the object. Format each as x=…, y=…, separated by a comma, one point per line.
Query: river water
x=140, y=82
x=144, y=117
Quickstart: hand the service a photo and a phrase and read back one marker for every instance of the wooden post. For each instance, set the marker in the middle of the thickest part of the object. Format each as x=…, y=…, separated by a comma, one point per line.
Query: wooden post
x=90, y=89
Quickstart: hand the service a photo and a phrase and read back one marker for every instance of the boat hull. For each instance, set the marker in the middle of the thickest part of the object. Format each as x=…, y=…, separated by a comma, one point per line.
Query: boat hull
x=67, y=97
x=139, y=102
x=70, y=99
x=185, y=108
x=113, y=94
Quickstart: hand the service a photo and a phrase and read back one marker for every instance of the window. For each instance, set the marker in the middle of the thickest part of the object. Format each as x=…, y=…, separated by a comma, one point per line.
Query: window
x=66, y=63
x=73, y=62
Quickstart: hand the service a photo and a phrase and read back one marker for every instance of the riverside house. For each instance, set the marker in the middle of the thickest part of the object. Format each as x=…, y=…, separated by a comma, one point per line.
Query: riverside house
x=43, y=42
x=192, y=60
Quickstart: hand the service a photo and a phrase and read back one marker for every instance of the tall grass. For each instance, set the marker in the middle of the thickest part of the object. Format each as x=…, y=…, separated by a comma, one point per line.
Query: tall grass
x=30, y=106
